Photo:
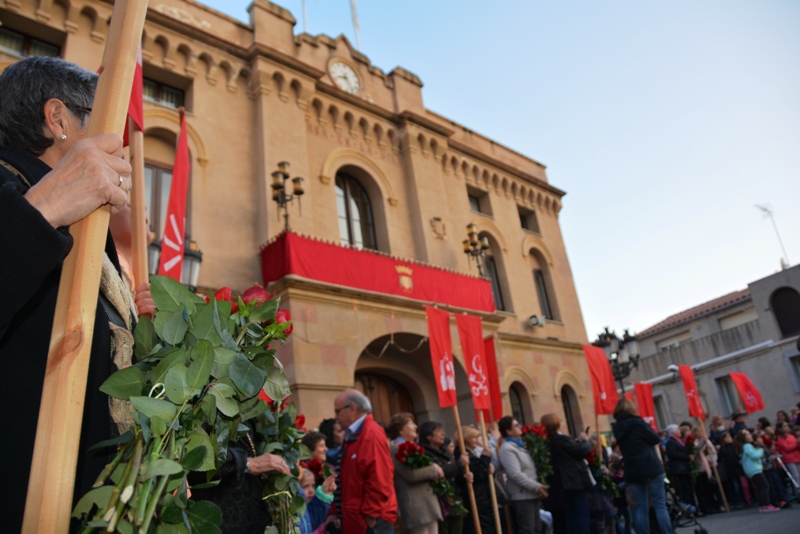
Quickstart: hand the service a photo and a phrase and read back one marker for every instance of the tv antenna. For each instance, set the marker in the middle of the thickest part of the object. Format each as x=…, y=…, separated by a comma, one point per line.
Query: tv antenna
x=766, y=210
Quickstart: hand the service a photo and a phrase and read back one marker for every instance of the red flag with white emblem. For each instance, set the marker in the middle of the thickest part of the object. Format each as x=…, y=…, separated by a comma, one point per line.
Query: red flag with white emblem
x=172, y=241
x=751, y=397
x=442, y=355
x=692, y=395
x=645, y=404
x=603, y=386
x=470, y=333
x=136, y=104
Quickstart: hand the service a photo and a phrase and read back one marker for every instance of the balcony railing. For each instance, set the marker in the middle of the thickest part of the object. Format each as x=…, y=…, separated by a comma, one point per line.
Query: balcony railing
x=296, y=254
x=700, y=350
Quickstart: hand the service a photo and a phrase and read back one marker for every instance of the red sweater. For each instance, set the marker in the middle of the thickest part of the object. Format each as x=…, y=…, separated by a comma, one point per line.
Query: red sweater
x=366, y=476
x=787, y=447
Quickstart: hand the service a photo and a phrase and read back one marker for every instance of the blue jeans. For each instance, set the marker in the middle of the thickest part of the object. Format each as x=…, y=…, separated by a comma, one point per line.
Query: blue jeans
x=641, y=514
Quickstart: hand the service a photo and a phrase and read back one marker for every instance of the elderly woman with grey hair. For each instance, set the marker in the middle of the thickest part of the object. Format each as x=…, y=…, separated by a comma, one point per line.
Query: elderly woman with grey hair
x=52, y=176
x=679, y=460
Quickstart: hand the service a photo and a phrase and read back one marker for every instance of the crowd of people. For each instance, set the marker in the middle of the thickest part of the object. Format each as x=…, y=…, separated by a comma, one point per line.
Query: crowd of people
x=370, y=485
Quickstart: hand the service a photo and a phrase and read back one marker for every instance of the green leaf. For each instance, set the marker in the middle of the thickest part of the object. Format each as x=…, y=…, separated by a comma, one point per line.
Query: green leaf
x=144, y=338
x=97, y=497
x=155, y=407
x=200, y=369
x=204, y=512
x=247, y=377
x=176, y=356
x=199, y=444
x=264, y=312
x=276, y=384
x=122, y=439
x=158, y=425
x=222, y=362
x=224, y=396
x=175, y=328
x=228, y=342
x=209, y=407
x=171, y=295
x=125, y=383
x=203, y=324
x=252, y=408
x=175, y=382
x=161, y=467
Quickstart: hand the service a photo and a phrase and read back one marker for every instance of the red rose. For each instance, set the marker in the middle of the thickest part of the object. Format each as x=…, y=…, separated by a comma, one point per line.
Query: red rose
x=283, y=316
x=226, y=294
x=299, y=422
x=689, y=439
x=256, y=294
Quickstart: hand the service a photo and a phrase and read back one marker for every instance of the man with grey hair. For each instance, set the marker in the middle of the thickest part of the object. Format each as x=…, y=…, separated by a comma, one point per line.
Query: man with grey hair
x=367, y=504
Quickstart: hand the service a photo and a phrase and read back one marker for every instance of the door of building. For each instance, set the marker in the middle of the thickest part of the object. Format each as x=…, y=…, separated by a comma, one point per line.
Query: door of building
x=387, y=396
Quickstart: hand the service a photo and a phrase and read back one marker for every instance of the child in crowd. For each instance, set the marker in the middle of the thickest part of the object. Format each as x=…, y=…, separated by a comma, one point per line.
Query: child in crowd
x=730, y=470
x=753, y=468
x=622, y=519
x=318, y=501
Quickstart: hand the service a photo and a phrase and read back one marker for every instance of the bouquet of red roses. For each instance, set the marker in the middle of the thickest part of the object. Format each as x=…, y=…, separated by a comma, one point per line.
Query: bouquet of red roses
x=538, y=445
x=691, y=448
x=412, y=455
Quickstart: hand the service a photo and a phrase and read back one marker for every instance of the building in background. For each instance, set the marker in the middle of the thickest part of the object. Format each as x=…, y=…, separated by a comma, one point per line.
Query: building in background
x=382, y=174
x=753, y=331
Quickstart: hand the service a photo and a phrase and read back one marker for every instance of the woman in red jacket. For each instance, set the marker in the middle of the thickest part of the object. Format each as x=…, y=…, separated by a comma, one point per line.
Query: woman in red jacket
x=786, y=445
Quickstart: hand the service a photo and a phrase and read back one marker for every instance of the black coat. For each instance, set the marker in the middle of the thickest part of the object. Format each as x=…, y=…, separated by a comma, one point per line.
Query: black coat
x=31, y=254
x=637, y=440
x=567, y=456
x=479, y=467
x=729, y=466
x=678, y=458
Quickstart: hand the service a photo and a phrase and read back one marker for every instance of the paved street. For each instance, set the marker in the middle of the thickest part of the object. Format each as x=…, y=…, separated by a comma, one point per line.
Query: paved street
x=749, y=521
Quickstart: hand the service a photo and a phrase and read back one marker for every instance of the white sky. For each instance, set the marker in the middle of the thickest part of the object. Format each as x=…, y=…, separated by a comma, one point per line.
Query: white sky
x=665, y=122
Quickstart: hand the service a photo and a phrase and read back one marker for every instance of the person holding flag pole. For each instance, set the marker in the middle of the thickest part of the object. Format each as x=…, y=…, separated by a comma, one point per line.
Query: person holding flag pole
x=54, y=181
x=696, y=410
x=444, y=372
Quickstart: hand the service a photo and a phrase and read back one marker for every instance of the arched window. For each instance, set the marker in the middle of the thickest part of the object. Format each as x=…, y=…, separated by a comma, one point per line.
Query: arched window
x=544, y=286
x=356, y=223
x=493, y=263
x=572, y=412
x=520, y=403
x=786, y=307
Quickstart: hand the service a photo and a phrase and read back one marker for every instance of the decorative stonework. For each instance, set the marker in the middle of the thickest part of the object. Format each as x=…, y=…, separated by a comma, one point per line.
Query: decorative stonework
x=182, y=16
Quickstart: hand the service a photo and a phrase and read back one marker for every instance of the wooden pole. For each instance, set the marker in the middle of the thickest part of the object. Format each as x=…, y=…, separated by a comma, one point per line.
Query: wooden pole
x=599, y=444
x=714, y=466
x=492, y=492
x=470, y=490
x=55, y=452
x=139, y=229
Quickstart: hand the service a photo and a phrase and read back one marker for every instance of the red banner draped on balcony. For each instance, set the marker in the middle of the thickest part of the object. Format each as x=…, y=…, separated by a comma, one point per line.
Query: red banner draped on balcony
x=369, y=270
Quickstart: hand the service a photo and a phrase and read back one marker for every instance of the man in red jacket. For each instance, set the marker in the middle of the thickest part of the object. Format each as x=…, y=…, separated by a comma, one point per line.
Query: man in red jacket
x=366, y=473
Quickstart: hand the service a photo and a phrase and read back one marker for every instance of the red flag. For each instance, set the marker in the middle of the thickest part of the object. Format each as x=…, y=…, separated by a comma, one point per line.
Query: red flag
x=494, y=380
x=470, y=332
x=692, y=396
x=603, y=386
x=172, y=242
x=751, y=397
x=441, y=355
x=644, y=401
x=136, y=105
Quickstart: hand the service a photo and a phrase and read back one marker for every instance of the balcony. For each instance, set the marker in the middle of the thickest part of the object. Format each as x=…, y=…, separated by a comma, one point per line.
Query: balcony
x=700, y=350
x=372, y=271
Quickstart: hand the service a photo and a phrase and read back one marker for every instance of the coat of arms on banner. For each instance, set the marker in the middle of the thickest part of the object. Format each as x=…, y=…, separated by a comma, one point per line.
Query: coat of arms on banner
x=405, y=277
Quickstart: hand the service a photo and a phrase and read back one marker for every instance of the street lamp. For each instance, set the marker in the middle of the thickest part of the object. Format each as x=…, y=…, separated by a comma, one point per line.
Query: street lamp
x=279, y=194
x=476, y=247
x=622, y=354
x=192, y=257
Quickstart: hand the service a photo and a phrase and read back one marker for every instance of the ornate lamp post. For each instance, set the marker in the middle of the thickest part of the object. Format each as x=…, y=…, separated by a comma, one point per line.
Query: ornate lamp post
x=279, y=194
x=476, y=248
x=623, y=354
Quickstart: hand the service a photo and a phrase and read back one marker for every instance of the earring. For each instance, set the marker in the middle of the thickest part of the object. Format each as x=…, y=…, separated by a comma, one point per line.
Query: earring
x=63, y=137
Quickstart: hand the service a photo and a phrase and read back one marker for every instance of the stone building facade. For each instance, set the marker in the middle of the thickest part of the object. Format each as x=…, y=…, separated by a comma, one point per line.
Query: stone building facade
x=753, y=331
x=381, y=171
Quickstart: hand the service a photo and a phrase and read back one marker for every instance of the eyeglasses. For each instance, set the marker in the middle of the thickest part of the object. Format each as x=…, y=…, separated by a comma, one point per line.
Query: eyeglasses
x=79, y=108
x=337, y=411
